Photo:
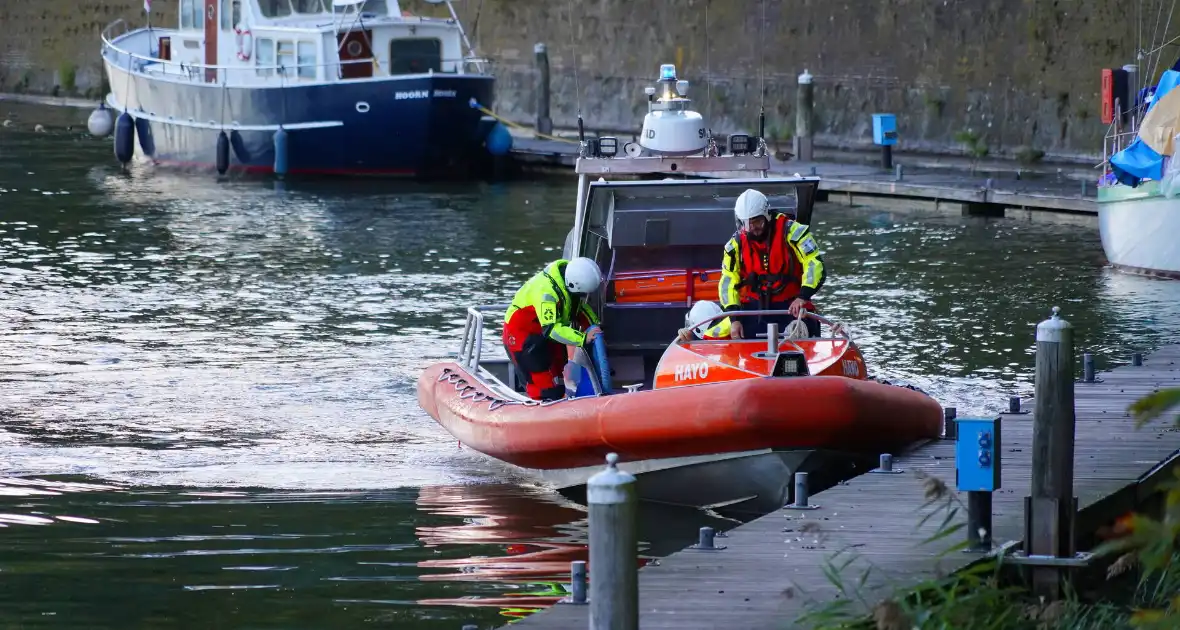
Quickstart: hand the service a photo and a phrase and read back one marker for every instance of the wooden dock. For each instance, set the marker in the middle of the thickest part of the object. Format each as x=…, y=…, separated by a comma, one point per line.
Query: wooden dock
x=774, y=566
x=856, y=184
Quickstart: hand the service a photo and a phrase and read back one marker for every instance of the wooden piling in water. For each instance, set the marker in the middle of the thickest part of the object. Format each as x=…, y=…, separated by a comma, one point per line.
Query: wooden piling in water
x=544, y=123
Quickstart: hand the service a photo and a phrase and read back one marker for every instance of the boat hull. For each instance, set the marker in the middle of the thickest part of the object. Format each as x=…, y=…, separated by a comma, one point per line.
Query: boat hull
x=416, y=125
x=801, y=413
x=1138, y=227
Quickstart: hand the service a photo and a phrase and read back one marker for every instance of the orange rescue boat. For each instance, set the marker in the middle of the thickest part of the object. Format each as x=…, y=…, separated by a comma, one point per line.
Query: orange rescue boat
x=702, y=423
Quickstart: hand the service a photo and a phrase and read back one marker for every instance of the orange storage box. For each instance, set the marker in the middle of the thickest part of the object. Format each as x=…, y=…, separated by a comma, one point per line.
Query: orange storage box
x=666, y=285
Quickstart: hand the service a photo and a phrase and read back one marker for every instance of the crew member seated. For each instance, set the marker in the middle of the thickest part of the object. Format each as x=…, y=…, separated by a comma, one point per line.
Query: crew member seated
x=771, y=263
x=696, y=321
x=549, y=313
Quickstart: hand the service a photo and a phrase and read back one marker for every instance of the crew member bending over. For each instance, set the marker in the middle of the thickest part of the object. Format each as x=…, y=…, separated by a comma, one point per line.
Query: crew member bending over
x=771, y=263
x=546, y=316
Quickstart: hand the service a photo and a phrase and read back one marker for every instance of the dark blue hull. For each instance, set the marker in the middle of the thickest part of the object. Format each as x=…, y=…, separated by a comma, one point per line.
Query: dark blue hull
x=421, y=125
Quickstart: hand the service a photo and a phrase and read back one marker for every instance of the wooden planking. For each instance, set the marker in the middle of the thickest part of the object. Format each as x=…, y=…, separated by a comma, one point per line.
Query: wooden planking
x=773, y=566
x=869, y=181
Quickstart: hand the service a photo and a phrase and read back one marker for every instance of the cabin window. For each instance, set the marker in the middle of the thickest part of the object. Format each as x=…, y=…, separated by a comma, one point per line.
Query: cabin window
x=311, y=6
x=307, y=60
x=275, y=8
x=264, y=56
x=192, y=14
x=378, y=7
x=231, y=14
x=415, y=55
x=286, y=57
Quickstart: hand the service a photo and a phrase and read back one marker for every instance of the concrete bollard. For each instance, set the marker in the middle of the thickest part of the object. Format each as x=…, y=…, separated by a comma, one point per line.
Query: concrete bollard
x=614, y=548
x=1088, y=368
x=1136, y=359
x=804, y=115
x=950, y=429
x=1049, y=511
x=801, y=494
x=578, y=582
x=544, y=122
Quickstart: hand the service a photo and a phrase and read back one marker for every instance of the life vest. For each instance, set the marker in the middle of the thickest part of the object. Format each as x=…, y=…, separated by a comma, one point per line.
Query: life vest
x=770, y=268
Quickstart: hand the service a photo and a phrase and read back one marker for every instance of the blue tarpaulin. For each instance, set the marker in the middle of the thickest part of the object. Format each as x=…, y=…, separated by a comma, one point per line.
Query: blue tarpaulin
x=1137, y=162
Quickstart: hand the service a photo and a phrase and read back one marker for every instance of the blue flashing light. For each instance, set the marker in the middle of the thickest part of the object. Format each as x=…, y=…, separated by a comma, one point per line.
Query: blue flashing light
x=667, y=71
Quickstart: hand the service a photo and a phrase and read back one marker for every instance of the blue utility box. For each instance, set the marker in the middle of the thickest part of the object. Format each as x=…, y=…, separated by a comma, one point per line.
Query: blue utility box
x=884, y=129
x=977, y=454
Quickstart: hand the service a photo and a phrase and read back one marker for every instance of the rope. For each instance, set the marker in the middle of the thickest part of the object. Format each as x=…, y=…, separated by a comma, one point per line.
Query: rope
x=520, y=126
x=797, y=330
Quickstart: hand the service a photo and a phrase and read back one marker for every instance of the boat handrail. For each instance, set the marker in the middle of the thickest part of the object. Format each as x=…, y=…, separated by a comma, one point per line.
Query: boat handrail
x=471, y=346
x=195, y=68
x=816, y=316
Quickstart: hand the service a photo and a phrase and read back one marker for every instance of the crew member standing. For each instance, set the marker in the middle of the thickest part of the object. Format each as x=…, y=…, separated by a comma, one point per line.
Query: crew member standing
x=771, y=263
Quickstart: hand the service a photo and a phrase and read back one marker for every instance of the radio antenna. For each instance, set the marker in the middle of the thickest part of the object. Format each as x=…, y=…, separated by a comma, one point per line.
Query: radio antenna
x=577, y=87
x=762, y=75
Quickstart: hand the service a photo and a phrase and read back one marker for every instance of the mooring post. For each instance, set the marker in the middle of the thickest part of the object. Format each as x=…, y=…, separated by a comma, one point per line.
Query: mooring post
x=1014, y=404
x=578, y=582
x=1049, y=511
x=1136, y=359
x=950, y=429
x=804, y=110
x=772, y=338
x=544, y=122
x=614, y=547
x=801, y=494
x=1087, y=367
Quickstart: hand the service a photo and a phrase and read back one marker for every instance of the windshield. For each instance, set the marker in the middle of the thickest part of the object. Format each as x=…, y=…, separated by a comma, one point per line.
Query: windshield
x=283, y=8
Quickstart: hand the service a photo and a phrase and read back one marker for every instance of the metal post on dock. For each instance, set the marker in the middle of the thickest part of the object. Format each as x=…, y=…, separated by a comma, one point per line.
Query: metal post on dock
x=1049, y=511
x=804, y=110
x=802, y=494
x=772, y=339
x=614, y=548
x=950, y=429
x=544, y=122
x=578, y=582
x=1088, y=369
x=1136, y=359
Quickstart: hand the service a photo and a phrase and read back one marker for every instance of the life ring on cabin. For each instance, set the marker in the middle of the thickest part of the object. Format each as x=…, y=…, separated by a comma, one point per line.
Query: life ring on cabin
x=245, y=43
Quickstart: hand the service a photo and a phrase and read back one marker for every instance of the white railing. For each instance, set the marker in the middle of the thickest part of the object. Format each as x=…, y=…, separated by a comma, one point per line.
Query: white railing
x=245, y=75
x=471, y=346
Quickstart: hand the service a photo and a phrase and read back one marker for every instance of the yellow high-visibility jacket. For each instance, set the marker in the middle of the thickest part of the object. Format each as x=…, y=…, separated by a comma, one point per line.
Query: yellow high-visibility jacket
x=547, y=295
x=800, y=244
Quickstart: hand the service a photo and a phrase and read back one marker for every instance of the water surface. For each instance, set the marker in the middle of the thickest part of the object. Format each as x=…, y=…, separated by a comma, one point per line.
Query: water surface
x=222, y=375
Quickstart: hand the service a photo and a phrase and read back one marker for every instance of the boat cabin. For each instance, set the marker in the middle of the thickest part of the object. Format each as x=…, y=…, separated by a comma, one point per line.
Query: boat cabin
x=260, y=43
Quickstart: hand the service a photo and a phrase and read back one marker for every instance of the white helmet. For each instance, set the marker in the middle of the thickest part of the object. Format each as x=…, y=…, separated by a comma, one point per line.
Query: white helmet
x=582, y=276
x=750, y=204
x=699, y=314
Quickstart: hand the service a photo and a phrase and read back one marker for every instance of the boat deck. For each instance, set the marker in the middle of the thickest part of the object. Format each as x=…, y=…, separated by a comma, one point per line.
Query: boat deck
x=773, y=567
x=855, y=184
